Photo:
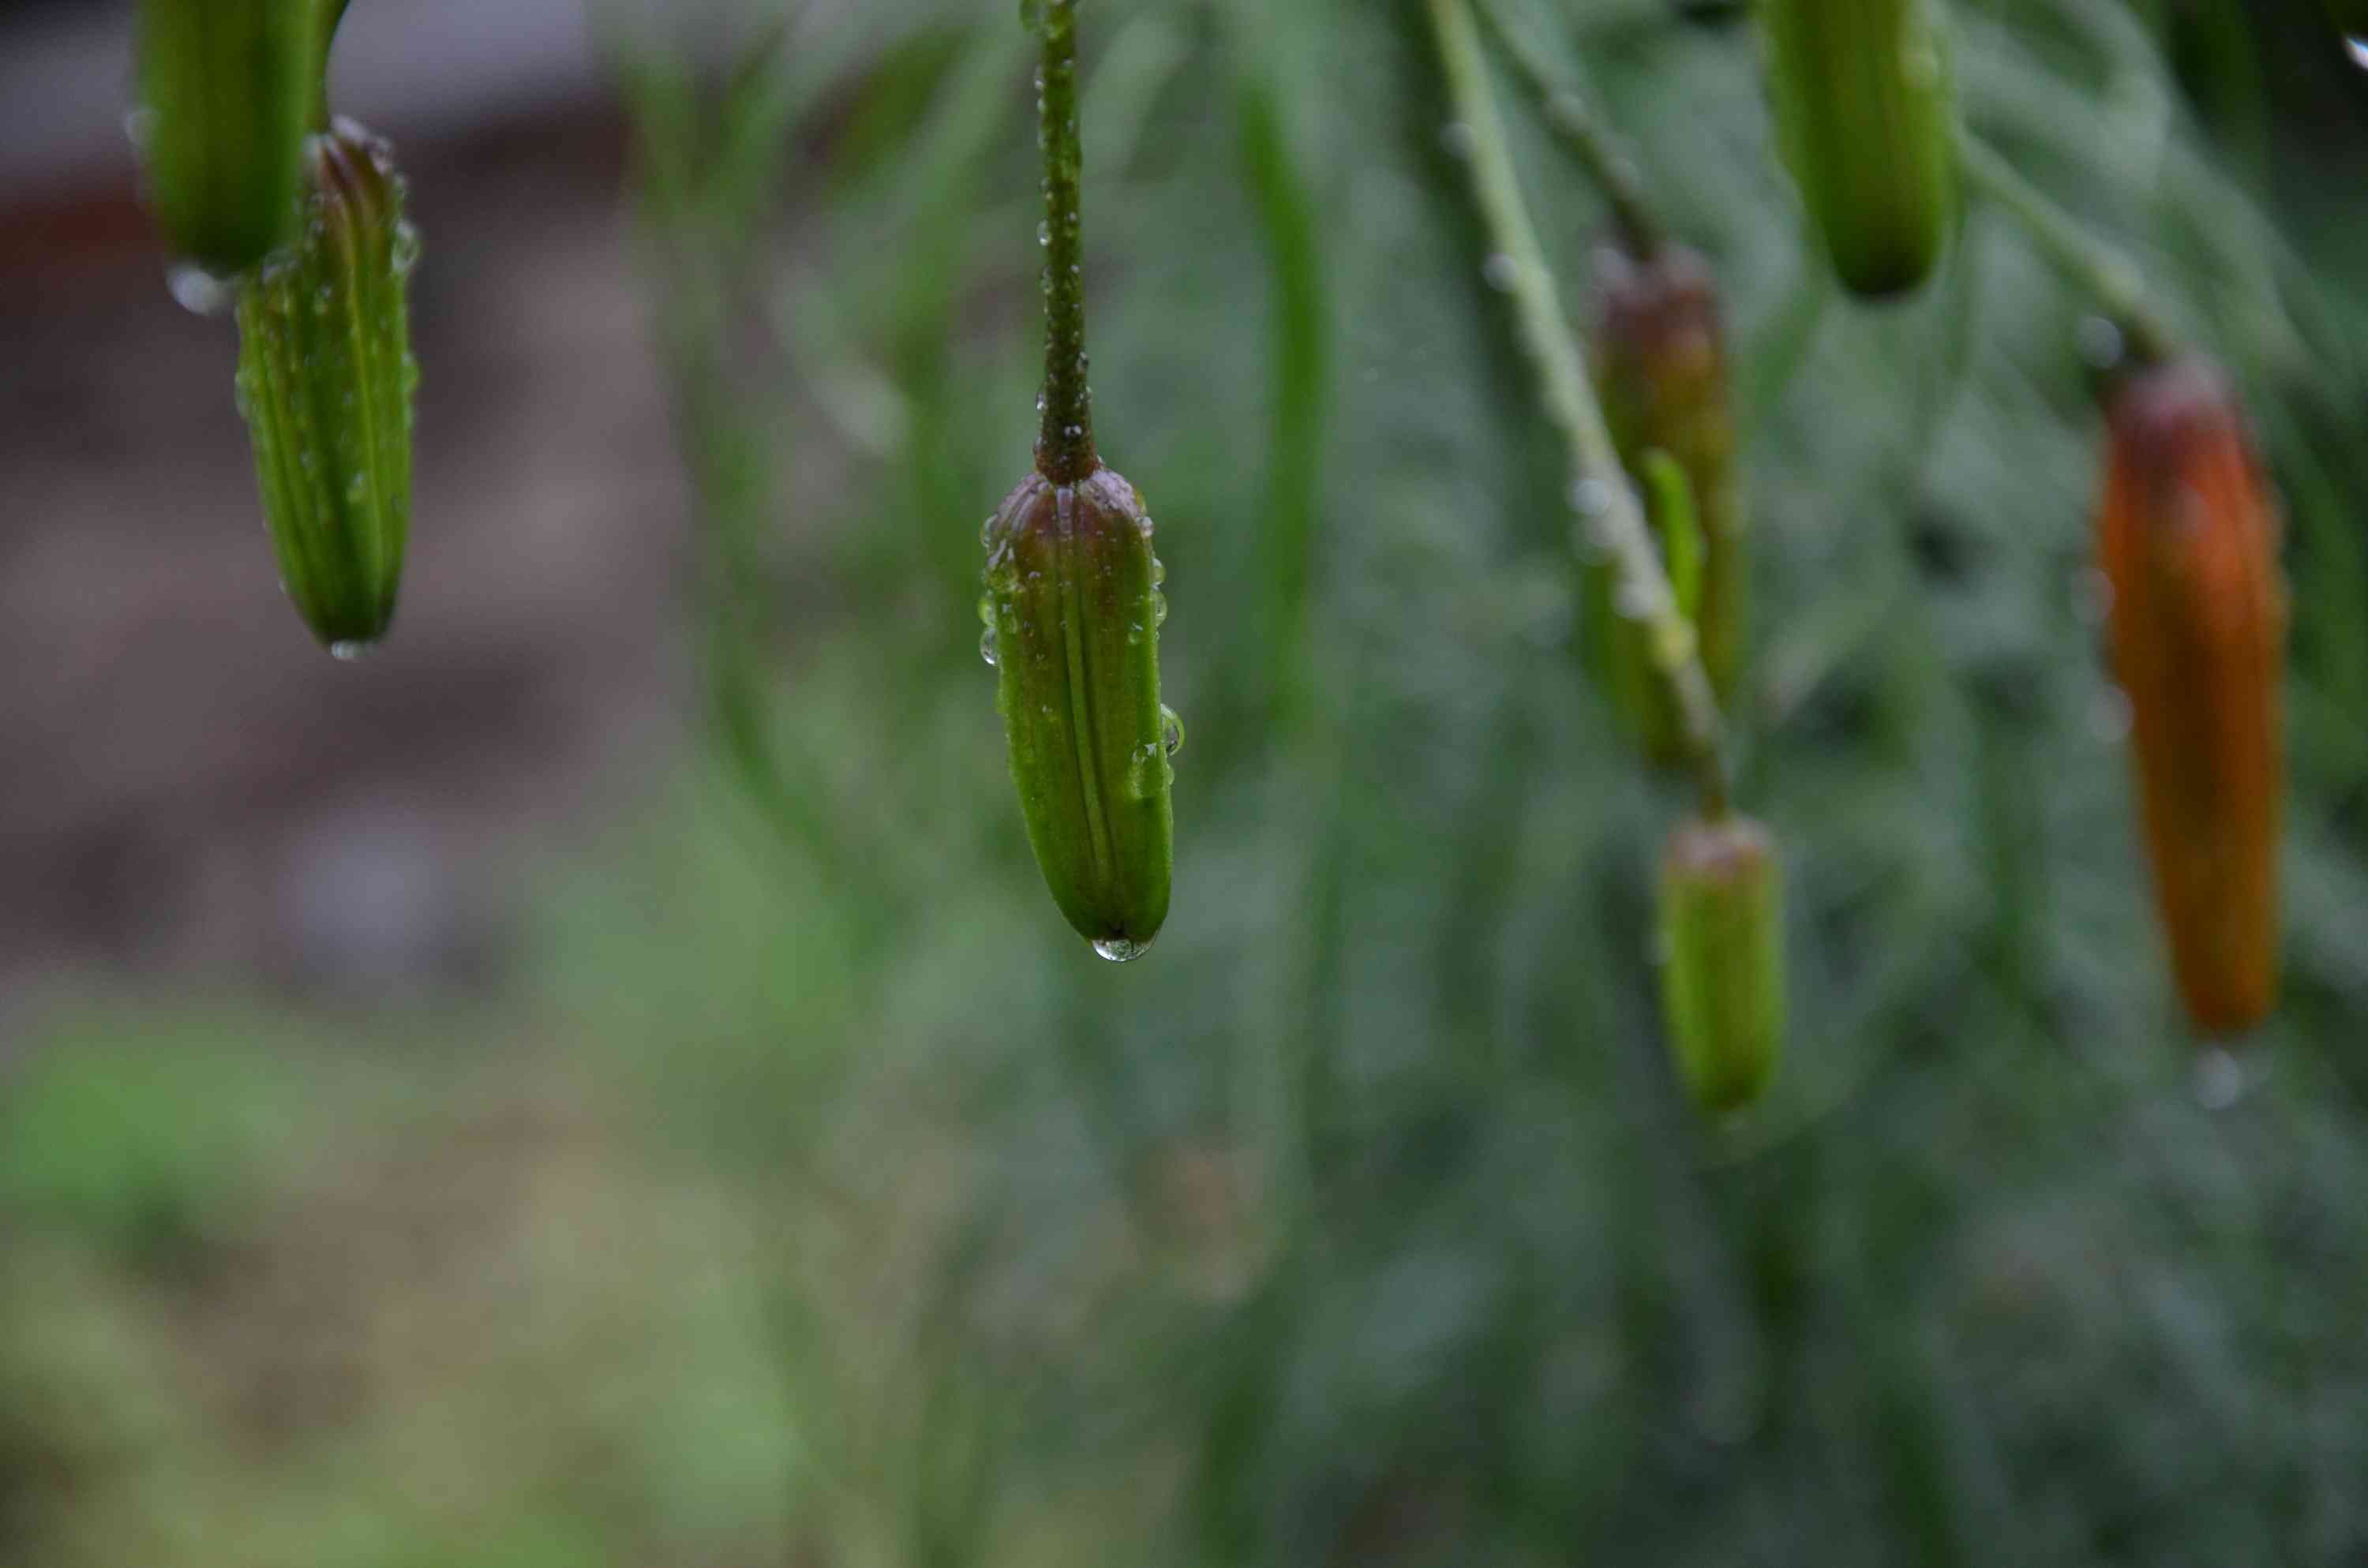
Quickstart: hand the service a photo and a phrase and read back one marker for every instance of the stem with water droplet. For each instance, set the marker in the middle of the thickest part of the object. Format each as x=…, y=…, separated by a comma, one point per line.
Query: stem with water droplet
x=1064, y=446
x=1607, y=502
x=1583, y=136
x=2088, y=261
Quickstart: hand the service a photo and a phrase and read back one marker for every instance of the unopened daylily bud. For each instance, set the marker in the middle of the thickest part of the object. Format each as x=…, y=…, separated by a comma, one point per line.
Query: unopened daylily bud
x=1722, y=912
x=1074, y=610
x=225, y=87
x=2190, y=545
x=1864, y=115
x=325, y=379
x=1661, y=365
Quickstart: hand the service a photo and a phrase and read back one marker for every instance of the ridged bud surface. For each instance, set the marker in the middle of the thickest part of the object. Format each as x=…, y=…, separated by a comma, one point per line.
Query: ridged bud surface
x=325, y=379
x=1864, y=115
x=1721, y=912
x=2189, y=541
x=1660, y=368
x=224, y=86
x=1074, y=610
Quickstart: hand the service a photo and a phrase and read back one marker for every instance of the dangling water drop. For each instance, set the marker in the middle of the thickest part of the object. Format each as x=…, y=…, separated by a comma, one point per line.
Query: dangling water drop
x=1120, y=949
x=345, y=653
x=1171, y=731
x=2219, y=1080
x=199, y=291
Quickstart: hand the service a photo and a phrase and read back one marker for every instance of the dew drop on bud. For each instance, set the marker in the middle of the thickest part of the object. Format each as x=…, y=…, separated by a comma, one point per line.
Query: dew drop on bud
x=2099, y=342
x=1119, y=949
x=2219, y=1080
x=199, y=291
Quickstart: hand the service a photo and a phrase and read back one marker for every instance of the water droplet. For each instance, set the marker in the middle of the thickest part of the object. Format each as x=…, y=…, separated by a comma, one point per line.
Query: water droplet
x=1120, y=949
x=1044, y=233
x=357, y=489
x=1503, y=273
x=1591, y=497
x=2099, y=342
x=406, y=247
x=199, y=291
x=1459, y=140
x=2219, y=1080
x=986, y=646
x=349, y=649
x=2357, y=47
x=1158, y=567
x=1633, y=600
x=1171, y=731
x=1158, y=610
x=140, y=128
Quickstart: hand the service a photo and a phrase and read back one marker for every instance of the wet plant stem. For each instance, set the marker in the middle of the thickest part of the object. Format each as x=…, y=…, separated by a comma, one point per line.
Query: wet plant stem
x=1600, y=494
x=1064, y=446
x=2090, y=262
x=1588, y=142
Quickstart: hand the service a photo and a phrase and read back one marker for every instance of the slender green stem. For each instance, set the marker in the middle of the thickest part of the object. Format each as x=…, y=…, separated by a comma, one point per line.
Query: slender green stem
x=1064, y=448
x=1587, y=138
x=1600, y=492
x=2088, y=261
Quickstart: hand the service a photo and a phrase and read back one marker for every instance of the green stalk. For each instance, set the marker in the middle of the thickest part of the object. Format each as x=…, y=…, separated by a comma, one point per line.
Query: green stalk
x=2089, y=262
x=1599, y=489
x=1584, y=137
x=1064, y=446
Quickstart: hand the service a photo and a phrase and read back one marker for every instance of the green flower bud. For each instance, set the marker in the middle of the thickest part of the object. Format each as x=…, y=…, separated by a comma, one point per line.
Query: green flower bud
x=1723, y=980
x=1073, y=609
x=325, y=379
x=1660, y=366
x=224, y=88
x=1862, y=94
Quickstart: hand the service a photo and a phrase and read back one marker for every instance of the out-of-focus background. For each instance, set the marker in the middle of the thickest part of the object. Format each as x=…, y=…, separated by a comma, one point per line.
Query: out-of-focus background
x=598, y=1082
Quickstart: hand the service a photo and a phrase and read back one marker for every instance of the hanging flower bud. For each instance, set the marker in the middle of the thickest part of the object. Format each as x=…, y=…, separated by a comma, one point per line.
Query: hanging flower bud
x=224, y=88
x=2190, y=544
x=1074, y=609
x=1723, y=978
x=1862, y=94
x=1660, y=366
x=325, y=379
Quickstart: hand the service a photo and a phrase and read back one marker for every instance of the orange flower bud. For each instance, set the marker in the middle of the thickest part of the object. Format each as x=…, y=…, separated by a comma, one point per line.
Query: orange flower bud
x=2189, y=541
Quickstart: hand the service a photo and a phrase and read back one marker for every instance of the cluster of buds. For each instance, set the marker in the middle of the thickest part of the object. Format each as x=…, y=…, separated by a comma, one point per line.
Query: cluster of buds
x=1660, y=369
x=1864, y=117
x=2188, y=542
x=303, y=219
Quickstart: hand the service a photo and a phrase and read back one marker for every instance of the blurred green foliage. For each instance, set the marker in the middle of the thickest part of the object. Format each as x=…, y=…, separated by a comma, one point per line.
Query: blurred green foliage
x=828, y=1204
